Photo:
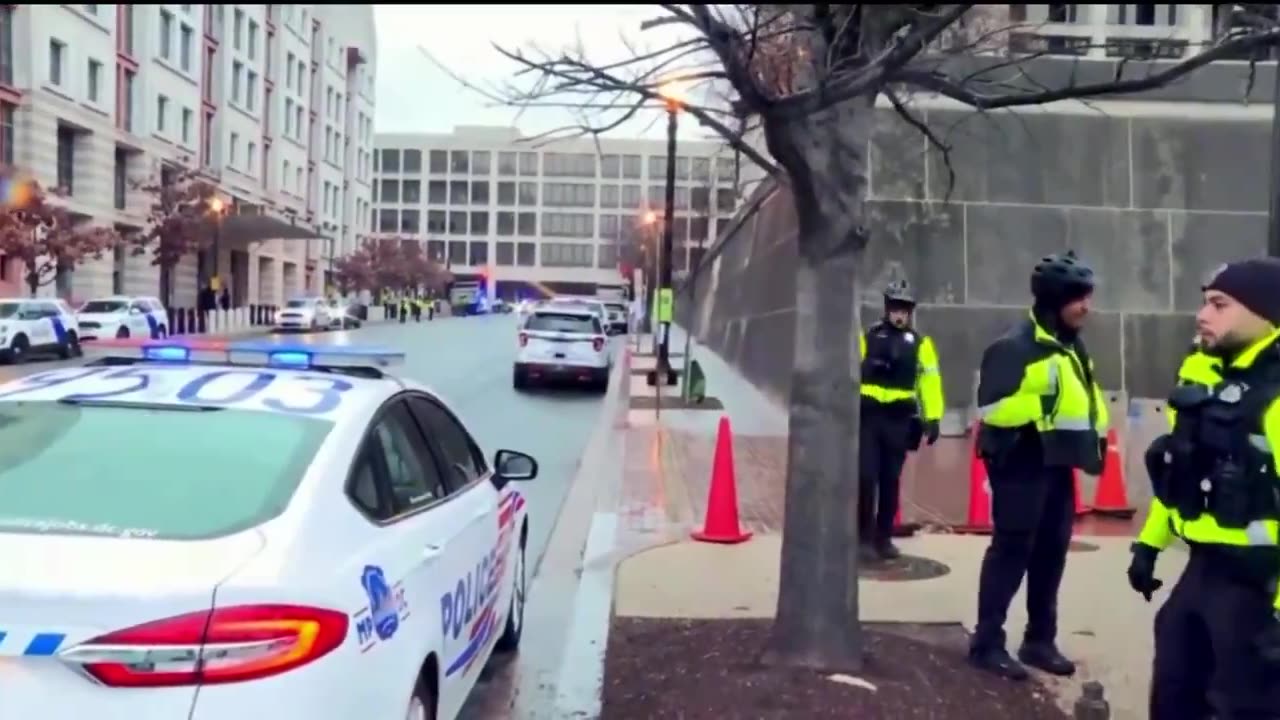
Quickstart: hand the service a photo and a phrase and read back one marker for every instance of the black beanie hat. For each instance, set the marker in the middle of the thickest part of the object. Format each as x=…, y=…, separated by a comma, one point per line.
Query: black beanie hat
x=1253, y=283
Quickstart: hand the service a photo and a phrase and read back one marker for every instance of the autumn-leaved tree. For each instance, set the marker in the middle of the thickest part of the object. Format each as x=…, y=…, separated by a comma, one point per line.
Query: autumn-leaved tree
x=387, y=260
x=180, y=220
x=808, y=76
x=354, y=272
x=38, y=231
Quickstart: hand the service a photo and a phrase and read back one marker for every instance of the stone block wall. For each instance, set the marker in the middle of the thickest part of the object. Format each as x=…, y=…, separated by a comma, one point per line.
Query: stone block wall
x=1153, y=195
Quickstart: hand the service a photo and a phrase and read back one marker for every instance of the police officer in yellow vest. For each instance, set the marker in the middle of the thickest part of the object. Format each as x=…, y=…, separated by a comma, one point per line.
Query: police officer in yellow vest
x=900, y=386
x=1043, y=415
x=1215, y=481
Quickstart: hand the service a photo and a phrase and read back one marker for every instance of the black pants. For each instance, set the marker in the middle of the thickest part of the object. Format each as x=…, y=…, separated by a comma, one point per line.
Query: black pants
x=882, y=451
x=1205, y=663
x=1032, y=510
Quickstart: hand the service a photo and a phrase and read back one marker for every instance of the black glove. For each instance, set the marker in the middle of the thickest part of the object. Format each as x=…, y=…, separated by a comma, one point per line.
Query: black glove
x=931, y=431
x=1142, y=571
x=1268, y=643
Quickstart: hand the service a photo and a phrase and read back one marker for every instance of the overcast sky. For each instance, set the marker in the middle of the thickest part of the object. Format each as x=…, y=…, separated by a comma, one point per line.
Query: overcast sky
x=416, y=96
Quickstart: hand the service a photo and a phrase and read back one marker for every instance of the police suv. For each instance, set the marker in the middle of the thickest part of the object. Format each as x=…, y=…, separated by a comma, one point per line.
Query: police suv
x=300, y=535
x=31, y=326
x=563, y=342
x=122, y=316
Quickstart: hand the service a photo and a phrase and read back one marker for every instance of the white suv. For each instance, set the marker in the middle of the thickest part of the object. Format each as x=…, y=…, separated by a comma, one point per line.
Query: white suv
x=308, y=313
x=563, y=342
x=30, y=326
x=121, y=316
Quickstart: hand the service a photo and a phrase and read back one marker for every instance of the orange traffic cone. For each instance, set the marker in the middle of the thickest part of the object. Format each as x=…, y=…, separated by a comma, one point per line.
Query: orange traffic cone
x=979, y=519
x=1111, y=498
x=721, y=524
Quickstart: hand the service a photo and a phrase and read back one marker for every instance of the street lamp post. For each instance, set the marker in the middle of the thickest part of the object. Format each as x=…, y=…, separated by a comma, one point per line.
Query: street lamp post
x=218, y=208
x=665, y=300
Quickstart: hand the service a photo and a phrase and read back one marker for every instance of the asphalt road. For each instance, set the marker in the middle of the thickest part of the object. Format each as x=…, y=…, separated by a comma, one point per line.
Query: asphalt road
x=467, y=361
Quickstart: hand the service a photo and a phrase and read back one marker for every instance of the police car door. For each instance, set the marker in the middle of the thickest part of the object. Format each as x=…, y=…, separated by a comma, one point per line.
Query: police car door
x=37, y=323
x=138, y=320
x=471, y=610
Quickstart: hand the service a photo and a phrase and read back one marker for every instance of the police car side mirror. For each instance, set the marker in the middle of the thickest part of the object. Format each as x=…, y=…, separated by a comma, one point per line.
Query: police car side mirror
x=513, y=465
x=135, y=311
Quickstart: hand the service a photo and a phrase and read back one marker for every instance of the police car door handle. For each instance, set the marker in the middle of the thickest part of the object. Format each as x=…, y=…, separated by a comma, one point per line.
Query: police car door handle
x=431, y=552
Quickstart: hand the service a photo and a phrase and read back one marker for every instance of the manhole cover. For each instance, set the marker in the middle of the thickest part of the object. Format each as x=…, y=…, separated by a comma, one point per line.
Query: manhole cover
x=1080, y=546
x=904, y=569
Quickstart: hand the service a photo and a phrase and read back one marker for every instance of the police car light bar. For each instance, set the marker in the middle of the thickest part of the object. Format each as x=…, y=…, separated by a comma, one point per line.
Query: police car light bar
x=300, y=356
x=283, y=355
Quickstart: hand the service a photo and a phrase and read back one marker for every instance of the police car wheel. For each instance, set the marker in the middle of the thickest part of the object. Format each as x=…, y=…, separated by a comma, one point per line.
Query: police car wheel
x=70, y=348
x=422, y=703
x=510, y=639
x=18, y=350
x=122, y=333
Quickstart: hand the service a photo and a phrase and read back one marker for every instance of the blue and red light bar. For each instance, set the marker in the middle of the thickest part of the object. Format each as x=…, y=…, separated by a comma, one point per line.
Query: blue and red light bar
x=267, y=353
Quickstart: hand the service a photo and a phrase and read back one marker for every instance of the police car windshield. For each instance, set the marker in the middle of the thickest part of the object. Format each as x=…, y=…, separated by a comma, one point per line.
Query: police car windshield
x=555, y=322
x=8, y=310
x=81, y=470
x=104, y=306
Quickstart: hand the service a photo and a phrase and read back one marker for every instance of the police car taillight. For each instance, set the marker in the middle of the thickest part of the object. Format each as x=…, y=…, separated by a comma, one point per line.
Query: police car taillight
x=597, y=343
x=524, y=339
x=227, y=645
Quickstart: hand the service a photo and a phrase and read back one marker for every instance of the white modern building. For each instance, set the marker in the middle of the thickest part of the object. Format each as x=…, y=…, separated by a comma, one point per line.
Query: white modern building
x=546, y=215
x=273, y=103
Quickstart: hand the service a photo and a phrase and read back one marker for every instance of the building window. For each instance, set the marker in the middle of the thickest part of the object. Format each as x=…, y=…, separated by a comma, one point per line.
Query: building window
x=390, y=161
x=479, y=223
x=235, y=149
x=128, y=99
x=166, y=34
x=412, y=161
x=253, y=39
x=437, y=192
x=507, y=164
x=567, y=255
x=610, y=166
x=121, y=164
x=438, y=162
x=527, y=254
x=480, y=193
x=66, y=159
x=410, y=221
x=237, y=30
x=480, y=160
x=237, y=70
x=569, y=165
x=185, y=35
x=162, y=110
x=527, y=194
x=506, y=254
x=527, y=224
x=607, y=256
x=506, y=194
x=460, y=161
x=57, y=53
x=412, y=192
x=479, y=252
x=437, y=222
x=388, y=221
x=631, y=167
x=457, y=252
x=390, y=191
x=506, y=224
x=569, y=195
x=95, y=81
x=528, y=164
x=6, y=135
x=435, y=250
x=206, y=139
x=457, y=223
x=126, y=31
x=458, y=192
x=251, y=90
x=572, y=225
x=6, y=45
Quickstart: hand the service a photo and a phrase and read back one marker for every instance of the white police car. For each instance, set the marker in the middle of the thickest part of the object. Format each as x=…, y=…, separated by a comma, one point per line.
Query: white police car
x=296, y=536
x=563, y=342
x=31, y=326
x=121, y=316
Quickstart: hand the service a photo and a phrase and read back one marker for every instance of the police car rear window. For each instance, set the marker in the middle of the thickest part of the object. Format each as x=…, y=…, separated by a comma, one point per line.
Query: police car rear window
x=297, y=303
x=555, y=322
x=150, y=473
x=103, y=306
x=8, y=310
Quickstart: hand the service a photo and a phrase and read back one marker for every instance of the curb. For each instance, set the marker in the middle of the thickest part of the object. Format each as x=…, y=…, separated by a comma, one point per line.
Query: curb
x=548, y=686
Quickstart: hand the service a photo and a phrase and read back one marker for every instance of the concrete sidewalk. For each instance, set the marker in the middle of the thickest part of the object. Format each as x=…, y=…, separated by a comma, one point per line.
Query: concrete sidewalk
x=667, y=468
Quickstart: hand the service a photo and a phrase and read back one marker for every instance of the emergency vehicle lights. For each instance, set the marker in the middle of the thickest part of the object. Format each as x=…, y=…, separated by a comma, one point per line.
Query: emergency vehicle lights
x=166, y=353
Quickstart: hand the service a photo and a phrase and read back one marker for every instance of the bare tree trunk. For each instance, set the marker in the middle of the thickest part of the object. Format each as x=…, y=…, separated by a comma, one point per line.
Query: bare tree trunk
x=816, y=624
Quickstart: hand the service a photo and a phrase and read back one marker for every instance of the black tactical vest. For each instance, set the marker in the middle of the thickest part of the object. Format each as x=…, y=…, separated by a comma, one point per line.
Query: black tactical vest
x=892, y=358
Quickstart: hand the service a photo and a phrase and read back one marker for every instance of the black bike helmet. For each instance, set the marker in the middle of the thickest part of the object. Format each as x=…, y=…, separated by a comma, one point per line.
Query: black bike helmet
x=899, y=292
x=1061, y=277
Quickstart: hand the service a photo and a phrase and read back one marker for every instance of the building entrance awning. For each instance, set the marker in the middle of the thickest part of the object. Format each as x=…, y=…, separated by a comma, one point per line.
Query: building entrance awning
x=258, y=228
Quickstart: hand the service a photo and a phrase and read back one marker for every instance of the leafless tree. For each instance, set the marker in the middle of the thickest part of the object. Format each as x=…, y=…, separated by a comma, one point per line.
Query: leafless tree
x=809, y=76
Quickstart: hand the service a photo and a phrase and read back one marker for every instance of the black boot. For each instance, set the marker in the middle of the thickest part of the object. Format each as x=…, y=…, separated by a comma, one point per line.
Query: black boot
x=1045, y=656
x=998, y=662
x=887, y=550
